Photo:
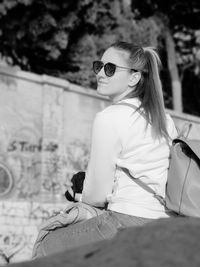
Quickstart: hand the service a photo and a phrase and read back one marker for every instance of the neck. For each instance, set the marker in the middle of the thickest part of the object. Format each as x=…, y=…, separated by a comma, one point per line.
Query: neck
x=122, y=96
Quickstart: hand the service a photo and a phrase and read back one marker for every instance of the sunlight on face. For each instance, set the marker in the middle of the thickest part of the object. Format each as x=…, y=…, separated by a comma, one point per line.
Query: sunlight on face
x=116, y=86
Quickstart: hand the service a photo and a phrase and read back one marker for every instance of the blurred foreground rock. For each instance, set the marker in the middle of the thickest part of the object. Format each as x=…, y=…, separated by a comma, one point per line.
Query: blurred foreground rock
x=165, y=242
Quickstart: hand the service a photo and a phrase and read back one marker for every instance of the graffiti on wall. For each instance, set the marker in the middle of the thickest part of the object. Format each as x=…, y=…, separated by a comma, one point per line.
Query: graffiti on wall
x=11, y=244
x=33, y=158
x=19, y=228
x=22, y=160
x=6, y=180
x=24, y=146
x=21, y=164
x=77, y=155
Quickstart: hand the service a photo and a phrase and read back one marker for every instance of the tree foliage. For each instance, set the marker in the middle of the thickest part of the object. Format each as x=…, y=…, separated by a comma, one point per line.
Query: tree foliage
x=62, y=38
x=183, y=19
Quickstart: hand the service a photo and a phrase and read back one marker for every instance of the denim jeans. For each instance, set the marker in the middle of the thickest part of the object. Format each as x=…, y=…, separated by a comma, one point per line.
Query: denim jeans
x=104, y=226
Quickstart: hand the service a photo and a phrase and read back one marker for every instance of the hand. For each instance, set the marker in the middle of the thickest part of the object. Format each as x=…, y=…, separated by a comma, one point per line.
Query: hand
x=75, y=187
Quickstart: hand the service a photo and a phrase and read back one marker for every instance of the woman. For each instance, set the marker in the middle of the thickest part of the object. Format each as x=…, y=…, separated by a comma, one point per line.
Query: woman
x=129, y=149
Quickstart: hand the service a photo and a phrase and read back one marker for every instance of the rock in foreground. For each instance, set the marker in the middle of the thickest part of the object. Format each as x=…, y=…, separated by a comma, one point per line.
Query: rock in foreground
x=165, y=242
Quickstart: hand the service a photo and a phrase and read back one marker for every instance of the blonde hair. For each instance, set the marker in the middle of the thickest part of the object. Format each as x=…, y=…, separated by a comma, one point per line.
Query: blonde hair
x=149, y=89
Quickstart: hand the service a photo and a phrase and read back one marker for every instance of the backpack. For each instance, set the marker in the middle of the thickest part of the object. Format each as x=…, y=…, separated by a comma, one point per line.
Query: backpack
x=183, y=181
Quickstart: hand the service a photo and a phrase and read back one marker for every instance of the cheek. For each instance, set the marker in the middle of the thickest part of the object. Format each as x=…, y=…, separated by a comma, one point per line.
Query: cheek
x=115, y=85
x=120, y=83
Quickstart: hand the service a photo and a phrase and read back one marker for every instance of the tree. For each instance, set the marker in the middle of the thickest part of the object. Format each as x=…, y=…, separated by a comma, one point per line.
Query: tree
x=180, y=17
x=62, y=38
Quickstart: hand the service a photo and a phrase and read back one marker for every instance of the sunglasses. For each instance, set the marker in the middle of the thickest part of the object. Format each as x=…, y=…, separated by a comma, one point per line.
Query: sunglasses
x=109, y=68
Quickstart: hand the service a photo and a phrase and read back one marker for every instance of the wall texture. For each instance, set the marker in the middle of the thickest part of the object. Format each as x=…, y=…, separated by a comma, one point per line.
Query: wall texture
x=45, y=127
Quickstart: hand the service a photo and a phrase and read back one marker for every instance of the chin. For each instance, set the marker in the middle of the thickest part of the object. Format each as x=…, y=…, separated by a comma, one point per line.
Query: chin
x=102, y=91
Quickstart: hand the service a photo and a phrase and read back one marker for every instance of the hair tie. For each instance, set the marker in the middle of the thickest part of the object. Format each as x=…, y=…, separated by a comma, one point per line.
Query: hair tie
x=142, y=49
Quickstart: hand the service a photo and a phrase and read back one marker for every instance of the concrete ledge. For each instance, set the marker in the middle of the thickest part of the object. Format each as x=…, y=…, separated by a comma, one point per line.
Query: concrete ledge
x=49, y=80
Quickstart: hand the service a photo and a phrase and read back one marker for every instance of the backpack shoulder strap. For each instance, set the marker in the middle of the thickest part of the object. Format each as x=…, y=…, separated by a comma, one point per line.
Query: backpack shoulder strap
x=144, y=186
x=139, y=182
x=194, y=145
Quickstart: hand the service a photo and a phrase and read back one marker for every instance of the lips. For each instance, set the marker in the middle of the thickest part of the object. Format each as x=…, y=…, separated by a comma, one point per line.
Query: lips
x=102, y=83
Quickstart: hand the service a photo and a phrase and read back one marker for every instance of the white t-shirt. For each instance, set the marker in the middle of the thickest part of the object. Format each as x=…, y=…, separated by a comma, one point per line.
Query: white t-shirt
x=120, y=139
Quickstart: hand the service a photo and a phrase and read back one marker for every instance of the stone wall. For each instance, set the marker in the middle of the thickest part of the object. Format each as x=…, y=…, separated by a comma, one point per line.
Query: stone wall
x=45, y=127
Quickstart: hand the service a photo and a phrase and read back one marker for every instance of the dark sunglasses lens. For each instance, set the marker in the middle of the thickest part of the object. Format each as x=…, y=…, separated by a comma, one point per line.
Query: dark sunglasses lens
x=97, y=66
x=109, y=69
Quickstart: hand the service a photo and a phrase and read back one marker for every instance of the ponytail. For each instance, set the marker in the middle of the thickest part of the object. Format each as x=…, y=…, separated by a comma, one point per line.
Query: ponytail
x=153, y=102
x=149, y=88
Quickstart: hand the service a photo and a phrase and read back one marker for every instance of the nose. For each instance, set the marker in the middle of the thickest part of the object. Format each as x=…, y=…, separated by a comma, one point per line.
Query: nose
x=101, y=73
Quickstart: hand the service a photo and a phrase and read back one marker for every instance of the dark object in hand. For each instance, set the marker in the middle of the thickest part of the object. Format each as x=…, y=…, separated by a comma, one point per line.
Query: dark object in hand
x=77, y=185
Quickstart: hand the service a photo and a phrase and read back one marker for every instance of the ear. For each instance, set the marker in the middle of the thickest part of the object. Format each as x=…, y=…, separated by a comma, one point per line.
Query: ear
x=134, y=78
